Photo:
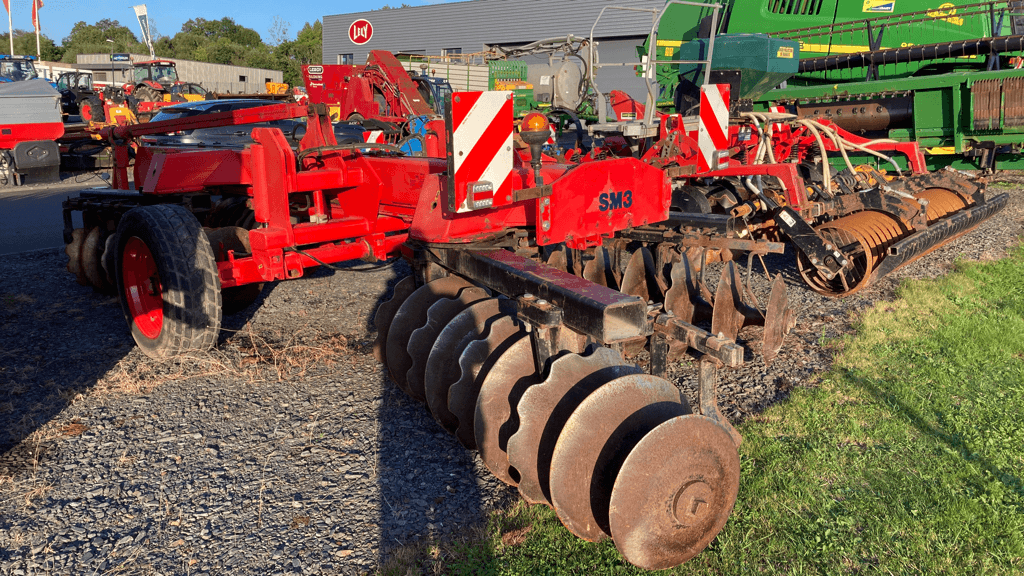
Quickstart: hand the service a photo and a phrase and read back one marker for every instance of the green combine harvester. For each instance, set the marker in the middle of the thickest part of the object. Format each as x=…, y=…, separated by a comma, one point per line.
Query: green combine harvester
x=942, y=73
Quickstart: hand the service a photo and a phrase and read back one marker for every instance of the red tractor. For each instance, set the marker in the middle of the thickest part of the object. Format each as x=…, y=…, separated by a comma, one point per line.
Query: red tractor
x=151, y=80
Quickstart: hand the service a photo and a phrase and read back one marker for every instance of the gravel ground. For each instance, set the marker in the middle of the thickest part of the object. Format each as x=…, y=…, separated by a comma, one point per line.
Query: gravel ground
x=286, y=449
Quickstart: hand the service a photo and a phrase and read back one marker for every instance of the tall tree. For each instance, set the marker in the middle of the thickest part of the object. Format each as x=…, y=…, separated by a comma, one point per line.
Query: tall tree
x=25, y=43
x=92, y=39
x=305, y=49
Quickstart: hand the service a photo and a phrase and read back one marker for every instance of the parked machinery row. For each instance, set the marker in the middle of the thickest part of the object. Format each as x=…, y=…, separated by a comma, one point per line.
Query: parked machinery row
x=539, y=278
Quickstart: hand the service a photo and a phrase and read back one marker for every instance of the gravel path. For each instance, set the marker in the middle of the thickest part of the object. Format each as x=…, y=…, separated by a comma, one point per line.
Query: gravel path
x=285, y=450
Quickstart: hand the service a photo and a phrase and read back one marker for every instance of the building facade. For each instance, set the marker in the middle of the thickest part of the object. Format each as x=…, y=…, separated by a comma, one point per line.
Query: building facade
x=213, y=77
x=473, y=26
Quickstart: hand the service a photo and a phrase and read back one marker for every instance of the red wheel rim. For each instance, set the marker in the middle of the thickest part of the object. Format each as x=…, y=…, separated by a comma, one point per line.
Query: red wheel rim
x=142, y=288
x=86, y=112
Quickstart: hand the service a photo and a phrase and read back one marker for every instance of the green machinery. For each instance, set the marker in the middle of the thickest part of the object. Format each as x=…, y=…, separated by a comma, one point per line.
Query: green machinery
x=941, y=73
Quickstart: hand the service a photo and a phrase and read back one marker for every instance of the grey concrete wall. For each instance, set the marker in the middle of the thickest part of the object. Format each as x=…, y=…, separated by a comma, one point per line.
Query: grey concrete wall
x=213, y=77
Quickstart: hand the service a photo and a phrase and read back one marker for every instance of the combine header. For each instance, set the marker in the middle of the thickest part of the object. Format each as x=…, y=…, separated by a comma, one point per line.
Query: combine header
x=539, y=277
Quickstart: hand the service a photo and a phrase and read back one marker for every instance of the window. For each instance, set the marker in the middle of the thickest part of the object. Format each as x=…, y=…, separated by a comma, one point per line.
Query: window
x=241, y=78
x=451, y=51
x=268, y=80
x=346, y=59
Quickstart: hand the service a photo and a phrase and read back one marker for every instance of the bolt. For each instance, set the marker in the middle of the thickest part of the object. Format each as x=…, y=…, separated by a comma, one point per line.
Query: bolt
x=528, y=296
x=692, y=503
x=542, y=302
x=814, y=261
x=547, y=225
x=828, y=246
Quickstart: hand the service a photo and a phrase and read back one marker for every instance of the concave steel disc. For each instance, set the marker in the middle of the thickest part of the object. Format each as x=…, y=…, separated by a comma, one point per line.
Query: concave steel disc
x=502, y=385
x=558, y=260
x=411, y=315
x=634, y=278
x=74, y=251
x=92, y=253
x=546, y=407
x=681, y=297
x=674, y=492
x=386, y=314
x=442, y=366
x=599, y=270
x=462, y=395
x=597, y=438
x=726, y=316
x=777, y=320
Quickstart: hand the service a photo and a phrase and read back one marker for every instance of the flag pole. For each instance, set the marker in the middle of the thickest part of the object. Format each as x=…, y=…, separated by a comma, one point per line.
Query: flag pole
x=36, y=5
x=10, y=27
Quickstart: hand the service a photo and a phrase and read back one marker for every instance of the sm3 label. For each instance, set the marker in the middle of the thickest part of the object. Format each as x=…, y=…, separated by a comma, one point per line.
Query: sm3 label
x=615, y=200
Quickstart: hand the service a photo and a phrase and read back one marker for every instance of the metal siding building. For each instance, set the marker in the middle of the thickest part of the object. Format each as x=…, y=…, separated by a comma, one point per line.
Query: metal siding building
x=471, y=26
x=213, y=77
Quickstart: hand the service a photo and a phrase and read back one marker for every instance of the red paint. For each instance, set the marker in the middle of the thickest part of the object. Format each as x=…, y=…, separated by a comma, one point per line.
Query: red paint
x=142, y=288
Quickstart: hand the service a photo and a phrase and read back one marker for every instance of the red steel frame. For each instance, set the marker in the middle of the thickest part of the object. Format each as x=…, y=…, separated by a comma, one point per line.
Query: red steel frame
x=365, y=206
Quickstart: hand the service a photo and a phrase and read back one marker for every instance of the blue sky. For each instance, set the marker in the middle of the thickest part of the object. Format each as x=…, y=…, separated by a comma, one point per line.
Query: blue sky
x=57, y=17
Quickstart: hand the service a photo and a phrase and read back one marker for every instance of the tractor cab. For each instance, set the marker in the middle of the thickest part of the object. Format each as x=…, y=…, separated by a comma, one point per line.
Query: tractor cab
x=17, y=68
x=74, y=87
x=434, y=91
x=152, y=79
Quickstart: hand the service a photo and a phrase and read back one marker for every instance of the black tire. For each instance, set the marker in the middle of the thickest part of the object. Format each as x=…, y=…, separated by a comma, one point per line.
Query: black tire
x=91, y=109
x=186, y=293
x=147, y=94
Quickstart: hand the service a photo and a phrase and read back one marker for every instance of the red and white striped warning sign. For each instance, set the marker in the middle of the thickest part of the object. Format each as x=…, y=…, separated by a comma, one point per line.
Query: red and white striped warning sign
x=480, y=163
x=713, y=129
x=373, y=136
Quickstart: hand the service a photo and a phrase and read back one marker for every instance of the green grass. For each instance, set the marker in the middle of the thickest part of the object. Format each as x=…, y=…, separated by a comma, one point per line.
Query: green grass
x=906, y=458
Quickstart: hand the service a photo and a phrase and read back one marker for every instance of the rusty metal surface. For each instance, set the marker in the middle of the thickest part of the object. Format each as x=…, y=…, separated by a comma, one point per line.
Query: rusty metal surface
x=502, y=386
x=1013, y=106
x=422, y=339
x=941, y=203
x=600, y=270
x=386, y=314
x=596, y=440
x=661, y=516
x=779, y=320
x=727, y=314
x=442, y=366
x=602, y=313
x=462, y=396
x=544, y=409
x=639, y=277
x=986, y=101
x=411, y=315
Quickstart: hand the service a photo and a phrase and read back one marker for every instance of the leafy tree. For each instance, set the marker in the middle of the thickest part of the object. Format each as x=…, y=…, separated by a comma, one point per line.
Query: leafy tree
x=225, y=29
x=92, y=39
x=25, y=43
x=305, y=49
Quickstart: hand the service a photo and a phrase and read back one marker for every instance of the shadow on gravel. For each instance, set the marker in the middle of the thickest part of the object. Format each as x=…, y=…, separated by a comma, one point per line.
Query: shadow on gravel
x=74, y=338
x=435, y=494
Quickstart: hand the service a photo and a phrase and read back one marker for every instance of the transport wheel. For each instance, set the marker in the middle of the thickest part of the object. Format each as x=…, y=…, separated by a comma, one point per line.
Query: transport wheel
x=146, y=94
x=91, y=109
x=167, y=281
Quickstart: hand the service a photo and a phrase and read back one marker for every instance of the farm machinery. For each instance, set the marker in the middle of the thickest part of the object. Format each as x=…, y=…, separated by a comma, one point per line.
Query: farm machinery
x=946, y=75
x=539, y=277
x=30, y=122
x=381, y=90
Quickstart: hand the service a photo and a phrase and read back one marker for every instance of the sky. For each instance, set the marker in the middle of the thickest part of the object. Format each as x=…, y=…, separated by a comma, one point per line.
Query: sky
x=58, y=17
